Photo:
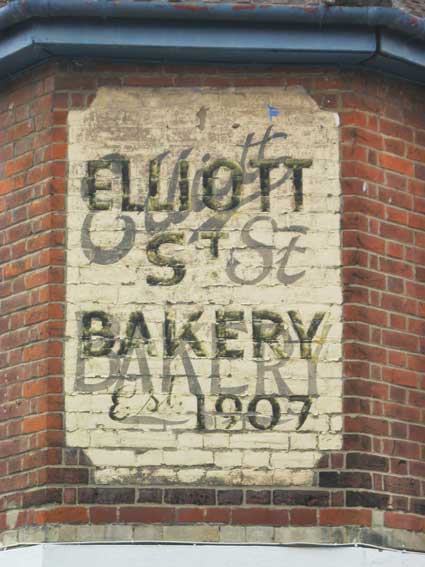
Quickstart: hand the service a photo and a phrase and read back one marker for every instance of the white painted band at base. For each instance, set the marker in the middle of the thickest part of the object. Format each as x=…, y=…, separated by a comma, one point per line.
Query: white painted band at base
x=104, y=555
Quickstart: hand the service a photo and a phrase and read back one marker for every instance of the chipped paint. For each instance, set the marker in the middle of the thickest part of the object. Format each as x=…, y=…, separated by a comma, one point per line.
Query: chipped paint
x=203, y=285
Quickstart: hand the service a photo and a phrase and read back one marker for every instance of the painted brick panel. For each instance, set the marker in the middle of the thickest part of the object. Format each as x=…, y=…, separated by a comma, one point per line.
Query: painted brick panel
x=203, y=285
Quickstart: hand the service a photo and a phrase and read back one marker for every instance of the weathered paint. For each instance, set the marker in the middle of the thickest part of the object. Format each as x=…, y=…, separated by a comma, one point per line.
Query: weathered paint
x=204, y=328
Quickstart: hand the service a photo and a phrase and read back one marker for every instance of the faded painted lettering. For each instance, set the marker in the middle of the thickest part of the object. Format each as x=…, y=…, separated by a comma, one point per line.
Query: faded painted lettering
x=203, y=286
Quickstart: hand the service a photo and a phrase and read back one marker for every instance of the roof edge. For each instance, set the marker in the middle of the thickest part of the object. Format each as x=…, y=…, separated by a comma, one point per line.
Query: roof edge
x=373, y=38
x=395, y=19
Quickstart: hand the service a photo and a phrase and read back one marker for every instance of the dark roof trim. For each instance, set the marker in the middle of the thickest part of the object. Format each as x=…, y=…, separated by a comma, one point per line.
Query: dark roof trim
x=370, y=37
x=18, y=11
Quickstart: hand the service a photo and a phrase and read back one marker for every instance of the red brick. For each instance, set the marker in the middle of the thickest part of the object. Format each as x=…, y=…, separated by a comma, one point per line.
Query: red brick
x=63, y=475
x=146, y=514
x=417, y=398
x=397, y=164
x=403, y=413
x=399, y=304
x=394, y=146
x=400, y=340
x=415, y=221
x=401, y=448
x=416, y=362
x=353, y=152
x=190, y=515
x=353, y=118
x=348, y=517
x=362, y=171
x=366, y=314
x=401, y=377
x=62, y=515
x=360, y=276
x=365, y=352
x=218, y=515
x=260, y=516
x=417, y=433
x=70, y=496
x=38, y=423
x=143, y=81
x=398, y=233
x=360, y=102
x=415, y=290
x=103, y=515
x=362, y=424
x=404, y=521
x=362, y=136
x=417, y=469
x=363, y=241
x=396, y=130
x=303, y=516
x=19, y=164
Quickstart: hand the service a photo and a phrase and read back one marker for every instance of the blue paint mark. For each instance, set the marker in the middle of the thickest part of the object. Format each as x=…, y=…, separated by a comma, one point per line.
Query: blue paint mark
x=273, y=111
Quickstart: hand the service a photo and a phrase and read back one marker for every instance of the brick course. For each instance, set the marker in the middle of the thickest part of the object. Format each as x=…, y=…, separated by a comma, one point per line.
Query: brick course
x=382, y=137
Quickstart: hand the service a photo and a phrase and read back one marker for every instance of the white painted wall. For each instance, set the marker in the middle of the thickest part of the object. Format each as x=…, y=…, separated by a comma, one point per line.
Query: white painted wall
x=135, y=555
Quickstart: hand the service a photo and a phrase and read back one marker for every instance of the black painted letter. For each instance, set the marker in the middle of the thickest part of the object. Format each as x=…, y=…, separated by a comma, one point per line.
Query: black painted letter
x=208, y=183
x=154, y=256
x=261, y=334
x=90, y=334
x=253, y=418
x=154, y=203
x=305, y=337
x=297, y=166
x=265, y=165
x=136, y=322
x=172, y=341
x=223, y=333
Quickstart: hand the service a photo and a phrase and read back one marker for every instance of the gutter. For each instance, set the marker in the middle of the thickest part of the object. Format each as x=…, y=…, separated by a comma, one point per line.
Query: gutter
x=394, y=19
x=378, y=38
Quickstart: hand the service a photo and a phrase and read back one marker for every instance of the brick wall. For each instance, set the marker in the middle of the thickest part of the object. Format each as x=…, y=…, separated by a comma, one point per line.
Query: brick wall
x=383, y=184
x=32, y=291
x=375, y=485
